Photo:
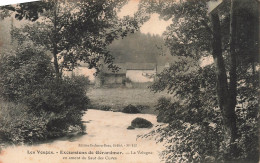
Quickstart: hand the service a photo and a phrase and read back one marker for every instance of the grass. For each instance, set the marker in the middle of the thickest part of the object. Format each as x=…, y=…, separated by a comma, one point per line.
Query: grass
x=118, y=98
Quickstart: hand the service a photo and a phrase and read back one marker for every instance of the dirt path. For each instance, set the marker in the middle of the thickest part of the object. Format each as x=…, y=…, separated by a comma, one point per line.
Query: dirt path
x=106, y=132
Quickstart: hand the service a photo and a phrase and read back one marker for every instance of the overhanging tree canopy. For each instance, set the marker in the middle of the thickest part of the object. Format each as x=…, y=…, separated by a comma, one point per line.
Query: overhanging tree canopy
x=74, y=31
x=229, y=35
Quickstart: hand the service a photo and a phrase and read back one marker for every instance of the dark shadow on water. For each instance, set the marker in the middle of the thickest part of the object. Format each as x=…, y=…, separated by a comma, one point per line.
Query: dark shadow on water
x=92, y=136
x=87, y=121
x=70, y=137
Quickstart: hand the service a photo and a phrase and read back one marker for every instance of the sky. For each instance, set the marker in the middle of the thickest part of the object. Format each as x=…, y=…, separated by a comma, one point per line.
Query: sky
x=154, y=26
x=8, y=2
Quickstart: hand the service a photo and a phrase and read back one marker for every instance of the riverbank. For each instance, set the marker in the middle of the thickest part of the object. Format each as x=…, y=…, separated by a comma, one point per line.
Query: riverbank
x=107, y=140
x=118, y=98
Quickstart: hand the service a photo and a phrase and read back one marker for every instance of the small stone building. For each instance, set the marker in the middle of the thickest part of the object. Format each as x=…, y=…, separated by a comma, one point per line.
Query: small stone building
x=110, y=77
x=141, y=72
x=128, y=72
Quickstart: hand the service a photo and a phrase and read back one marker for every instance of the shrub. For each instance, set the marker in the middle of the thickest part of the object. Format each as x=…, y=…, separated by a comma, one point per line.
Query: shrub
x=105, y=107
x=126, y=80
x=130, y=109
x=58, y=96
x=165, y=109
x=142, y=107
x=23, y=71
x=26, y=77
x=192, y=142
x=65, y=99
x=18, y=125
x=248, y=129
x=141, y=123
x=194, y=131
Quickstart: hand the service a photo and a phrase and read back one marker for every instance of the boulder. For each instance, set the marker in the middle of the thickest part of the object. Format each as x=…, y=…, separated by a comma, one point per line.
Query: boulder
x=105, y=108
x=130, y=128
x=141, y=123
x=131, y=109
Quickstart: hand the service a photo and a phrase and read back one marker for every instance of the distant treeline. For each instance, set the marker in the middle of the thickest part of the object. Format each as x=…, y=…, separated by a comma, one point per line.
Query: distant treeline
x=139, y=47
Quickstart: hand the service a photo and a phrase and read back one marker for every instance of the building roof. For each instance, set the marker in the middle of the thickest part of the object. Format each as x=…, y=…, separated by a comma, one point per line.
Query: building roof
x=140, y=66
x=123, y=67
x=126, y=66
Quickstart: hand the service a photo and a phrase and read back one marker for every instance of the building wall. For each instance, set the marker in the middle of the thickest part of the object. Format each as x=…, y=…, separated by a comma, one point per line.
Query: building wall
x=84, y=71
x=139, y=76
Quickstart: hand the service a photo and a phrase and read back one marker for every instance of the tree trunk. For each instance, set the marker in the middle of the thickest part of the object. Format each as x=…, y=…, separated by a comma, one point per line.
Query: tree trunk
x=222, y=86
x=233, y=79
x=54, y=42
x=224, y=97
x=55, y=61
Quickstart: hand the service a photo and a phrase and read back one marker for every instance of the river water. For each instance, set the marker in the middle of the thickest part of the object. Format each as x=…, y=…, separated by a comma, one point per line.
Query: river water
x=107, y=140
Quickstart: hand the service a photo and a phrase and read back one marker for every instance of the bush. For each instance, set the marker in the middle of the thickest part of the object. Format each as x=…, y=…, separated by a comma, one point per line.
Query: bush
x=18, y=125
x=141, y=123
x=202, y=140
x=65, y=99
x=142, y=107
x=165, y=108
x=131, y=109
x=22, y=72
x=192, y=142
x=26, y=78
x=126, y=80
x=58, y=96
x=105, y=107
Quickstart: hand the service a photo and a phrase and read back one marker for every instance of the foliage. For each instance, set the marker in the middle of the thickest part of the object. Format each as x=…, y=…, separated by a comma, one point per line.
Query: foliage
x=187, y=142
x=145, y=47
x=248, y=117
x=164, y=107
x=192, y=141
x=195, y=113
x=58, y=96
x=19, y=125
x=126, y=80
x=190, y=86
x=105, y=107
x=27, y=78
x=195, y=131
x=118, y=98
x=74, y=31
x=66, y=100
x=141, y=123
x=142, y=107
x=130, y=109
x=22, y=71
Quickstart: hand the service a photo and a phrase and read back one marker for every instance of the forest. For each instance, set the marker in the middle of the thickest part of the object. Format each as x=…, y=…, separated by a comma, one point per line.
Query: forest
x=212, y=113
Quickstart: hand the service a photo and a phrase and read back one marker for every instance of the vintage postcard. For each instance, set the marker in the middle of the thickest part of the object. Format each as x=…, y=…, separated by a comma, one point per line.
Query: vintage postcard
x=129, y=81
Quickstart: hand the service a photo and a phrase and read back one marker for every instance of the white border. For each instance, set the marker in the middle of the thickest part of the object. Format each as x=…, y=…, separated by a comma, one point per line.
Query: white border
x=8, y=2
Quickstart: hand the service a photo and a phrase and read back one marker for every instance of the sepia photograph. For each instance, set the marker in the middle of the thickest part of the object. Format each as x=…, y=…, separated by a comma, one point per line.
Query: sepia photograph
x=129, y=81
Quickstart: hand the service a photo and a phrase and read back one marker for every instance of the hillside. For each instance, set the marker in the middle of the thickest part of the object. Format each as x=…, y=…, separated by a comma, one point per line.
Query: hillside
x=140, y=48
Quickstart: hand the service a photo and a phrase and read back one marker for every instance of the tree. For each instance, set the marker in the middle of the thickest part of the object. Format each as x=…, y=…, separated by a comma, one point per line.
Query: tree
x=27, y=80
x=139, y=48
x=74, y=31
x=224, y=36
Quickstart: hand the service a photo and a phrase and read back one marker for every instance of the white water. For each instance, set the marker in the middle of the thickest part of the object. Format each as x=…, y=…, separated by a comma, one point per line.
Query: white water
x=103, y=128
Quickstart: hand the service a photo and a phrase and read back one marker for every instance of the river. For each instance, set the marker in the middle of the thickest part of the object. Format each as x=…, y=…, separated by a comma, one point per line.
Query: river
x=107, y=140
